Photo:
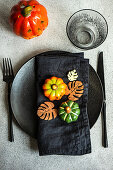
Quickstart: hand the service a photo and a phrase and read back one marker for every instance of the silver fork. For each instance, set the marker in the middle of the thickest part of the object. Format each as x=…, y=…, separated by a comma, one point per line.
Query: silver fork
x=8, y=77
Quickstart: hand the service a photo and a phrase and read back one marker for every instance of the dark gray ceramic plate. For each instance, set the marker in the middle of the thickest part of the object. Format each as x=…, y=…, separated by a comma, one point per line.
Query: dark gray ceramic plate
x=23, y=97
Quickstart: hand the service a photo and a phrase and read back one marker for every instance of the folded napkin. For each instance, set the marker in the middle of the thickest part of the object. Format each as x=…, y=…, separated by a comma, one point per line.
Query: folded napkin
x=56, y=136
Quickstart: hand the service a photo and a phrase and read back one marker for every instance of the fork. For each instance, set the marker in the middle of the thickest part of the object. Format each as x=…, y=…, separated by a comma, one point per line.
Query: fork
x=8, y=77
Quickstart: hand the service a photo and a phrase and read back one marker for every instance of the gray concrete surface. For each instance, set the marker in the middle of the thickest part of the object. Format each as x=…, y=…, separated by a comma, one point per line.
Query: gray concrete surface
x=23, y=153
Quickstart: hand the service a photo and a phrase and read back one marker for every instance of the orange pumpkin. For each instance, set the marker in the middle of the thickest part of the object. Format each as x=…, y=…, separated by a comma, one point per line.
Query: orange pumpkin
x=54, y=88
x=28, y=18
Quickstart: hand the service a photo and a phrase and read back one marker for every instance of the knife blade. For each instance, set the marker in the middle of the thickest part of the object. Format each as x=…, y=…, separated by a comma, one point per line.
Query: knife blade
x=100, y=71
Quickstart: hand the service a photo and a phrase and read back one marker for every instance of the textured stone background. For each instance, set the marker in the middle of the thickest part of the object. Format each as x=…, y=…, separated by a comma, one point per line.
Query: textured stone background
x=23, y=153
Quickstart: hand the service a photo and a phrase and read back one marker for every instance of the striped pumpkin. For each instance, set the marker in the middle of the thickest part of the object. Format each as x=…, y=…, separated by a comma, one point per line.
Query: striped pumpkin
x=69, y=111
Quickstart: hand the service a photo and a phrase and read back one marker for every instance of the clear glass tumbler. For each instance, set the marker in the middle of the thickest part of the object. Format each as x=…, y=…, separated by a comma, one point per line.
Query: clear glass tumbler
x=87, y=29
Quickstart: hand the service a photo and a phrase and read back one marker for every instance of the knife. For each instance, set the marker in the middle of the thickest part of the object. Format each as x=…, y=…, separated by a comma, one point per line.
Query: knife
x=100, y=71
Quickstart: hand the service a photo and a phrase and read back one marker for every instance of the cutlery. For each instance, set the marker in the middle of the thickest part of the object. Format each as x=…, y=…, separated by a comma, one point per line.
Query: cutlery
x=8, y=77
x=100, y=71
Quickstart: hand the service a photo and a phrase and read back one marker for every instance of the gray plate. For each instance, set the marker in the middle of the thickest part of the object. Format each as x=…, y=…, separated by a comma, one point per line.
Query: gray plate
x=23, y=97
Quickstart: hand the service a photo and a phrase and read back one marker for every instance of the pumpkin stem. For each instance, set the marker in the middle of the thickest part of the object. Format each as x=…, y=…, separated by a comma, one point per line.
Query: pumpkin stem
x=67, y=109
x=26, y=11
x=54, y=87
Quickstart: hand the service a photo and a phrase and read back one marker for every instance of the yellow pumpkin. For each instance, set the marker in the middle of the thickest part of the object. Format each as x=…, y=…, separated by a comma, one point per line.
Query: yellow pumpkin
x=54, y=88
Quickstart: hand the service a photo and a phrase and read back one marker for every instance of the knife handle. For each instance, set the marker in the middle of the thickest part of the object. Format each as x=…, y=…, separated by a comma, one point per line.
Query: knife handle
x=105, y=140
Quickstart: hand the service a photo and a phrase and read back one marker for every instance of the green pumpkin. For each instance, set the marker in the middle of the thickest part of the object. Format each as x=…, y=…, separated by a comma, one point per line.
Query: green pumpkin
x=69, y=111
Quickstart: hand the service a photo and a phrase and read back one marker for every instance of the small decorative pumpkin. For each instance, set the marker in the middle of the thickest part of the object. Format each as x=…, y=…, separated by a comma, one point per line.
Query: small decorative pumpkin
x=46, y=111
x=54, y=88
x=28, y=18
x=69, y=111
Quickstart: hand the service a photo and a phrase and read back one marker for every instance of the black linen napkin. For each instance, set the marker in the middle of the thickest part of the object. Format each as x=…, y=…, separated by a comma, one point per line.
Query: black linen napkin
x=56, y=136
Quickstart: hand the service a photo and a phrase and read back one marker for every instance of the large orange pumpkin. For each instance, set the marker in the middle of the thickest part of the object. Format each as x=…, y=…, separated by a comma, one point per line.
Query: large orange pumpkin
x=28, y=18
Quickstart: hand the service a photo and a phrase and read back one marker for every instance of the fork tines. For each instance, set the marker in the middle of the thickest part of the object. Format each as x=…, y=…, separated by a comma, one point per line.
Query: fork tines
x=7, y=67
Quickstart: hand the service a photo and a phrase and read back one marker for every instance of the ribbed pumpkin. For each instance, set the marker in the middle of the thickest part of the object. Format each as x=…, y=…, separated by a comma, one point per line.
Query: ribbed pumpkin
x=28, y=19
x=69, y=111
x=54, y=88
